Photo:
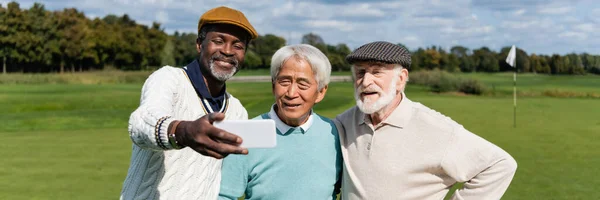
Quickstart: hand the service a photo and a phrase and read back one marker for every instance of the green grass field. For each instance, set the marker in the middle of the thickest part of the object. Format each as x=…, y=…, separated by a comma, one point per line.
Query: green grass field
x=70, y=141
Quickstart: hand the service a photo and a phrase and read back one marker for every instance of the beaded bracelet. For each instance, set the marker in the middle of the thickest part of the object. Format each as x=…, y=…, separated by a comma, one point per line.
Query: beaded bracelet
x=157, y=128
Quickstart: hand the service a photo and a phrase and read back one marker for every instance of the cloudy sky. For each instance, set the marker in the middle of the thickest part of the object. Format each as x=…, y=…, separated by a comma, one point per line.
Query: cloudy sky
x=537, y=26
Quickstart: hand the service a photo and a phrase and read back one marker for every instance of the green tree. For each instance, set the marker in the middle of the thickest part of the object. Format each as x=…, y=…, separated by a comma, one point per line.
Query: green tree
x=566, y=65
x=591, y=63
x=523, y=62
x=3, y=36
x=485, y=60
x=312, y=39
x=74, y=33
x=466, y=64
x=576, y=64
x=556, y=64
x=157, y=40
x=14, y=42
x=265, y=46
x=185, y=48
x=339, y=63
x=431, y=59
x=42, y=38
x=166, y=56
x=545, y=65
x=417, y=58
x=535, y=63
x=252, y=60
x=453, y=64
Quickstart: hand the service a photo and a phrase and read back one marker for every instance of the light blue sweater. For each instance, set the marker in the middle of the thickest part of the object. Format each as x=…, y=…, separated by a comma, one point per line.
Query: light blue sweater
x=304, y=165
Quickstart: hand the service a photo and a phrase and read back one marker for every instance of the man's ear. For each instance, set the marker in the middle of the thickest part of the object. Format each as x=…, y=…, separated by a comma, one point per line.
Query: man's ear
x=321, y=94
x=403, y=79
x=198, y=45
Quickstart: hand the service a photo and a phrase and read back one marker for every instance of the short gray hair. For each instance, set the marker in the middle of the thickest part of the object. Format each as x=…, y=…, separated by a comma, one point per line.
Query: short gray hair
x=318, y=61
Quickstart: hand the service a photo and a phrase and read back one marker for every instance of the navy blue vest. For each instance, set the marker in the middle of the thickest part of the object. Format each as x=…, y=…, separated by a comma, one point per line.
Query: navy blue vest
x=210, y=103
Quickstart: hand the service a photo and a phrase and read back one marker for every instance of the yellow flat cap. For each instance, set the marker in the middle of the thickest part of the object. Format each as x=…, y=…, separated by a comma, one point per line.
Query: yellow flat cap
x=225, y=15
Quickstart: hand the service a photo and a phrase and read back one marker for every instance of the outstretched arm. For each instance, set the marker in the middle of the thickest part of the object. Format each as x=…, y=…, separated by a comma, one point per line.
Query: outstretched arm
x=152, y=122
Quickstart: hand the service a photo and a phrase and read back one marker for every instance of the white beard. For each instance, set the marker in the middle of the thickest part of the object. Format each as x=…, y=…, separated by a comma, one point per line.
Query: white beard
x=369, y=107
x=221, y=75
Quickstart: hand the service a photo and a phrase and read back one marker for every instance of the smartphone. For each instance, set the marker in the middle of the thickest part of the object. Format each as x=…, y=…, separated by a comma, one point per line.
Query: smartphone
x=254, y=133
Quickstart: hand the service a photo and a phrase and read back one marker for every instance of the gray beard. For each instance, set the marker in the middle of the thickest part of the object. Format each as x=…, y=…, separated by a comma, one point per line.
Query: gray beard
x=221, y=76
x=386, y=98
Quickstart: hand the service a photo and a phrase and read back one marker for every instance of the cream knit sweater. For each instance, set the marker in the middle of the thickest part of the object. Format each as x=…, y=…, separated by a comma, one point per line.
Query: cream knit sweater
x=159, y=172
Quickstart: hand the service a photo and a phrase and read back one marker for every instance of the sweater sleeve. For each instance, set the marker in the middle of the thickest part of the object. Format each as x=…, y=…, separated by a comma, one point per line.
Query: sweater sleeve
x=149, y=123
x=234, y=177
x=485, y=168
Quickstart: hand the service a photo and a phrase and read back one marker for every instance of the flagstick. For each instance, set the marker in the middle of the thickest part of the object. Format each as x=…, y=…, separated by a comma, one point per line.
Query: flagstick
x=515, y=98
x=511, y=60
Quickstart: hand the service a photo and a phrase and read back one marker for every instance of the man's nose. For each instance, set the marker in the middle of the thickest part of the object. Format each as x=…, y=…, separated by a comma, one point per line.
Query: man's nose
x=227, y=50
x=367, y=80
x=292, y=91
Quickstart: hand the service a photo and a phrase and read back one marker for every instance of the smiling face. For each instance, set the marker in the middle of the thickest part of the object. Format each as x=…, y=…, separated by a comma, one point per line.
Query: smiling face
x=222, y=50
x=296, y=91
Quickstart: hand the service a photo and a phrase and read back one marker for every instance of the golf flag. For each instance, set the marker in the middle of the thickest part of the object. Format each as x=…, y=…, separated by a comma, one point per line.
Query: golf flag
x=512, y=55
x=510, y=59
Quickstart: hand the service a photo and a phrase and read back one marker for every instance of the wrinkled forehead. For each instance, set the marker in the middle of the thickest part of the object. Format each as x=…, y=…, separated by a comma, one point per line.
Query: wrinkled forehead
x=296, y=66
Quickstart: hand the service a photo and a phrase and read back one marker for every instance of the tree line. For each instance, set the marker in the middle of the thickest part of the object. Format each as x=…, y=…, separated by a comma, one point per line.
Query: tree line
x=40, y=40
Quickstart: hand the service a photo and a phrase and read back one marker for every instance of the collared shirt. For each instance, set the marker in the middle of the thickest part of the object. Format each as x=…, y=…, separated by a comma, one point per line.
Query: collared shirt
x=303, y=165
x=418, y=153
x=284, y=128
x=208, y=102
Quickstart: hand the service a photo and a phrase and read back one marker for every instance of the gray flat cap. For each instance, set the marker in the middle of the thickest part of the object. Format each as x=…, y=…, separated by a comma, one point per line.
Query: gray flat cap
x=380, y=51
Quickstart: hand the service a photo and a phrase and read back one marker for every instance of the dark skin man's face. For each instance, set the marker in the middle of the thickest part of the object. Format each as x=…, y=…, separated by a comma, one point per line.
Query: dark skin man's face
x=222, y=51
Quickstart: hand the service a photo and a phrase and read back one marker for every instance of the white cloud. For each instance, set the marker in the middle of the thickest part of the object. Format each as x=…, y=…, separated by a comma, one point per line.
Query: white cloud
x=315, y=10
x=555, y=10
x=361, y=10
x=328, y=24
x=586, y=27
x=468, y=30
x=569, y=19
x=519, y=12
x=572, y=34
x=162, y=17
x=436, y=22
x=518, y=24
x=542, y=25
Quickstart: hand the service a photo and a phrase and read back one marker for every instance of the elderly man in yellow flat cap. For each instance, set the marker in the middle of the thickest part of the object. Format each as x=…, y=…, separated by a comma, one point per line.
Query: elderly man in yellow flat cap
x=176, y=149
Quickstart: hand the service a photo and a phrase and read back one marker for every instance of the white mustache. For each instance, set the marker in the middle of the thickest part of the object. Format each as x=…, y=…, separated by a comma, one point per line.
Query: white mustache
x=370, y=89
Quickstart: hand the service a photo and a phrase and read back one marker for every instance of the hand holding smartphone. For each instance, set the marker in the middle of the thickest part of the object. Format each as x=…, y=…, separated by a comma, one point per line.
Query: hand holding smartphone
x=254, y=133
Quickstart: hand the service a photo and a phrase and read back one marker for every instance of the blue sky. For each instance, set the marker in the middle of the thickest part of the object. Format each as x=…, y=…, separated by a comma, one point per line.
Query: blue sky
x=537, y=26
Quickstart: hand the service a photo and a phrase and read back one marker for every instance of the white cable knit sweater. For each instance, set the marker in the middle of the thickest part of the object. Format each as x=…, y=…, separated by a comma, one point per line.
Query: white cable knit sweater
x=156, y=173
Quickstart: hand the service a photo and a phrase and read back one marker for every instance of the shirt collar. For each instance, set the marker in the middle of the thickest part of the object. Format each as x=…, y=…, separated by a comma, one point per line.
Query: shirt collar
x=399, y=117
x=197, y=78
x=284, y=128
